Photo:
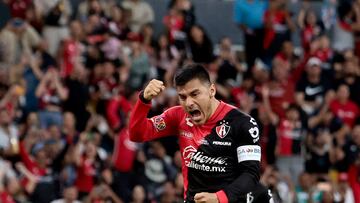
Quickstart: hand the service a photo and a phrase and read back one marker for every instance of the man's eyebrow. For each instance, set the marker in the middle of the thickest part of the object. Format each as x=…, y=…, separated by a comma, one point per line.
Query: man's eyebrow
x=194, y=91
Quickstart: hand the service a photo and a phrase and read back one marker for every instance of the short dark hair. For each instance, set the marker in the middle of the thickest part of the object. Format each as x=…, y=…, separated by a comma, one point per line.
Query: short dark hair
x=190, y=72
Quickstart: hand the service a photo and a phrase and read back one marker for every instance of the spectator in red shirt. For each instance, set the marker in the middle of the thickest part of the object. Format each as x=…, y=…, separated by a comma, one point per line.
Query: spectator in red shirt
x=278, y=25
x=242, y=96
x=116, y=112
x=343, y=107
x=268, y=124
x=350, y=76
x=85, y=159
x=37, y=169
x=37, y=165
x=7, y=192
x=123, y=159
x=282, y=86
x=174, y=22
x=308, y=23
x=18, y=7
x=288, y=54
x=72, y=48
x=321, y=48
x=291, y=132
x=51, y=93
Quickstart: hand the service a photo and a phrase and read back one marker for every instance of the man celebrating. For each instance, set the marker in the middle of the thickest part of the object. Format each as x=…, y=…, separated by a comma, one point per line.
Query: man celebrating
x=218, y=143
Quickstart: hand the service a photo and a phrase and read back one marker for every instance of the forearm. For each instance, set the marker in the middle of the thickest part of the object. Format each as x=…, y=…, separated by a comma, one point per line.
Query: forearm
x=77, y=158
x=61, y=91
x=271, y=115
x=115, y=198
x=143, y=129
x=41, y=88
x=139, y=123
x=243, y=184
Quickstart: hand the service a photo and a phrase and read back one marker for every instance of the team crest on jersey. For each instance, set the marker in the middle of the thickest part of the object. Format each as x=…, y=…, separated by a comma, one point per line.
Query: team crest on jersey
x=159, y=123
x=223, y=129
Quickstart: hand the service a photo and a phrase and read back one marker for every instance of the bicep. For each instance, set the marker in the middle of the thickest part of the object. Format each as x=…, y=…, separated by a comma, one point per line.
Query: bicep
x=143, y=129
x=248, y=150
x=165, y=123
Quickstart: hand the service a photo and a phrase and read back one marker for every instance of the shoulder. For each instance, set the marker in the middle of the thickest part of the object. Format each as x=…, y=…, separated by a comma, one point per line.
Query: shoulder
x=240, y=117
x=175, y=109
x=175, y=113
x=246, y=127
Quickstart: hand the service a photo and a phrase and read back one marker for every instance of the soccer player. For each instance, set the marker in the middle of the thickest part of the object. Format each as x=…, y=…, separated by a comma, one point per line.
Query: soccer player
x=218, y=143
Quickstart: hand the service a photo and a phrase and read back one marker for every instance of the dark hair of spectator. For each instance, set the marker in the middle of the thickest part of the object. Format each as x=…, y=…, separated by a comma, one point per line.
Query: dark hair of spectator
x=190, y=72
x=293, y=106
x=205, y=35
x=344, y=9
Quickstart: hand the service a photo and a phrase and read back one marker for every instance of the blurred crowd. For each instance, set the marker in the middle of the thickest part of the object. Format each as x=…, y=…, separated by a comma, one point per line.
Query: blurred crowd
x=69, y=77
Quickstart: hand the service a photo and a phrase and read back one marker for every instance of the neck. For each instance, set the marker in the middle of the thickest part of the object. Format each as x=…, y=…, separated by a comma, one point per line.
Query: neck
x=314, y=78
x=42, y=163
x=343, y=100
x=214, y=106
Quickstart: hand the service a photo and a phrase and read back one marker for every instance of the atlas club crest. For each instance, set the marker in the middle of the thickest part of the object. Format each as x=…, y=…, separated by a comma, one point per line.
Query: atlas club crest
x=223, y=129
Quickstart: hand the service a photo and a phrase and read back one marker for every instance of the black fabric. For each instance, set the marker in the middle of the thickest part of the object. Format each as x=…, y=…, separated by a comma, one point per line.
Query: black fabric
x=254, y=46
x=226, y=72
x=311, y=90
x=44, y=187
x=317, y=163
x=212, y=172
x=76, y=103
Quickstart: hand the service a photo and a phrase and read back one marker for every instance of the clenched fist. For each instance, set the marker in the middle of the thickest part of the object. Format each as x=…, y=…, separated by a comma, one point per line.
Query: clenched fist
x=205, y=197
x=153, y=89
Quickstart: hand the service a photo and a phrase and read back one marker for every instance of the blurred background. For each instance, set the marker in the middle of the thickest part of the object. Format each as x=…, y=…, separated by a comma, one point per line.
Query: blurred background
x=70, y=72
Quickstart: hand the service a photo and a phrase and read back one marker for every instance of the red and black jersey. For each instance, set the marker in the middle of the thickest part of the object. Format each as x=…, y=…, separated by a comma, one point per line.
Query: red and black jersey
x=221, y=156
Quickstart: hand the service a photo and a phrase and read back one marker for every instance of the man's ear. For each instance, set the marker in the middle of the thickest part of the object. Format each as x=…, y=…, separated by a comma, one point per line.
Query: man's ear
x=212, y=90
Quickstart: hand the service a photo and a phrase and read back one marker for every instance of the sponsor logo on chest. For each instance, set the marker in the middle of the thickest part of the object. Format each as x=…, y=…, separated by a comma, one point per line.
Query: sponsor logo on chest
x=200, y=161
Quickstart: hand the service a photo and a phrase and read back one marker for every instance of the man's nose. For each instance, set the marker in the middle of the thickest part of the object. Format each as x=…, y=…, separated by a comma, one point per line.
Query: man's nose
x=189, y=102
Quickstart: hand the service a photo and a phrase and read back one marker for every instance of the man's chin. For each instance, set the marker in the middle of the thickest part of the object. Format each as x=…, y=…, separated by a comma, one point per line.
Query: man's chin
x=198, y=121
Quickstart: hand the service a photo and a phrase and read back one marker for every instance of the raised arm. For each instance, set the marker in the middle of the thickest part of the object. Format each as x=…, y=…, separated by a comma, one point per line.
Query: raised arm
x=41, y=88
x=143, y=129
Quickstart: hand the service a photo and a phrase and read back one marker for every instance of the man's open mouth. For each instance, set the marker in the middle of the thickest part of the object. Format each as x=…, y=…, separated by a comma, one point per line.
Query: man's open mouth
x=195, y=114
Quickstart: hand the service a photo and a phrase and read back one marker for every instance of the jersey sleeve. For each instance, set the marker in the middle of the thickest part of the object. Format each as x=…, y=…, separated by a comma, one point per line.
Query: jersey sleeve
x=248, y=155
x=143, y=129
